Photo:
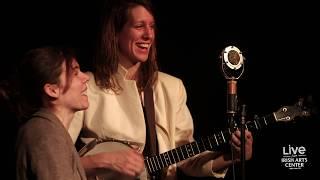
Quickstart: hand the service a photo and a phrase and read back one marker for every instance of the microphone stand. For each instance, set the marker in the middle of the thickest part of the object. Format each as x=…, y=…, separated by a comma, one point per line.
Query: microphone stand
x=232, y=106
x=242, y=139
x=232, y=67
x=242, y=127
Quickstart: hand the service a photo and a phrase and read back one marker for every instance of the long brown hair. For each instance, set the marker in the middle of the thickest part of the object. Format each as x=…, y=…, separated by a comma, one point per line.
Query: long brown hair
x=114, y=17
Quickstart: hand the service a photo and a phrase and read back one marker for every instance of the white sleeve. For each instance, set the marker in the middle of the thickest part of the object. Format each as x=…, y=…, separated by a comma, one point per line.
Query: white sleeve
x=201, y=164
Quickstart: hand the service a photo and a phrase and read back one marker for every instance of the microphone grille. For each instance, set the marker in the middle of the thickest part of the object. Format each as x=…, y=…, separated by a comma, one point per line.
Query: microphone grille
x=233, y=57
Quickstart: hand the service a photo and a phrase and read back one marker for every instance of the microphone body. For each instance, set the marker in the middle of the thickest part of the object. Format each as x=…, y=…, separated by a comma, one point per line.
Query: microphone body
x=232, y=97
x=232, y=67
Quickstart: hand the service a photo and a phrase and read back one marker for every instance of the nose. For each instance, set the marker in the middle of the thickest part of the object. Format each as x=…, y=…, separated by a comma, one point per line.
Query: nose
x=85, y=77
x=148, y=33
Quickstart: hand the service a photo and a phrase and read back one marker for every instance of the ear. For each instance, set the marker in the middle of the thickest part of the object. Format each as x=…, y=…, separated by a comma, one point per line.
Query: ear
x=52, y=90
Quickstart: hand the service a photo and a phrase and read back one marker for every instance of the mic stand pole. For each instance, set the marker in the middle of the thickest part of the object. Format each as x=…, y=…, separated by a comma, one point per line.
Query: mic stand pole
x=232, y=105
x=232, y=125
x=242, y=139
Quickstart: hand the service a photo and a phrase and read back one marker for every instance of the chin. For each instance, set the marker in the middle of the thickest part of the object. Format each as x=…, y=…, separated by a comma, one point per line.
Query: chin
x=143, y=59
x=84, y=107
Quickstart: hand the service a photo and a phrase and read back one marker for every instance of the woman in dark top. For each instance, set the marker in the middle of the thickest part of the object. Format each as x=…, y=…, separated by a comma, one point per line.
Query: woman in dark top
x=53, y=88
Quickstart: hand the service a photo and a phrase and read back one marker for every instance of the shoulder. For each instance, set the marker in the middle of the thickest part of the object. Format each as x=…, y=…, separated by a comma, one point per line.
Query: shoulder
x=164, y=78
x=39, y=130
x=171, y=84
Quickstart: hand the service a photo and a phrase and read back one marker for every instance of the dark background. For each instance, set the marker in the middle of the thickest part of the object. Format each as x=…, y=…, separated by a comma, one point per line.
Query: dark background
x=278, y=40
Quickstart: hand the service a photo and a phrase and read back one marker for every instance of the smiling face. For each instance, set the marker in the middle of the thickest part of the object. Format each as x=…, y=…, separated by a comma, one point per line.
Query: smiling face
x=73, y=88
x=136, y=37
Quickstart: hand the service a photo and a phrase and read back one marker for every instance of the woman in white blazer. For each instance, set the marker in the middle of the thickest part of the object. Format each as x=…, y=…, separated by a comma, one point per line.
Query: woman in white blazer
x=125, y=64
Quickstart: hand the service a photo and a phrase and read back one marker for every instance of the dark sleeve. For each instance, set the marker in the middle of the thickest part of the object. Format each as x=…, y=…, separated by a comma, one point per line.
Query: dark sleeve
x=49, y=155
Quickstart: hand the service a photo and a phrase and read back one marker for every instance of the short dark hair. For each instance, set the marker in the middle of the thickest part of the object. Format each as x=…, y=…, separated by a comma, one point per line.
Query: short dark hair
x=38, y=67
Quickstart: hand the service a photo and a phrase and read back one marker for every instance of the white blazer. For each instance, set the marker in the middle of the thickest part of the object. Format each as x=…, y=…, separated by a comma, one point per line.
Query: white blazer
x=120, y=116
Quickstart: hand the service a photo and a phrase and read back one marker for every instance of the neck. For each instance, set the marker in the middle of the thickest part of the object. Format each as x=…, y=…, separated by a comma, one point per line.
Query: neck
x=133, y=71
x=65, y=116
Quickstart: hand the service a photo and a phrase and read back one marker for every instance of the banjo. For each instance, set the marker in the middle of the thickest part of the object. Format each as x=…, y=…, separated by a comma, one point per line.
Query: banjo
x=213, y=142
